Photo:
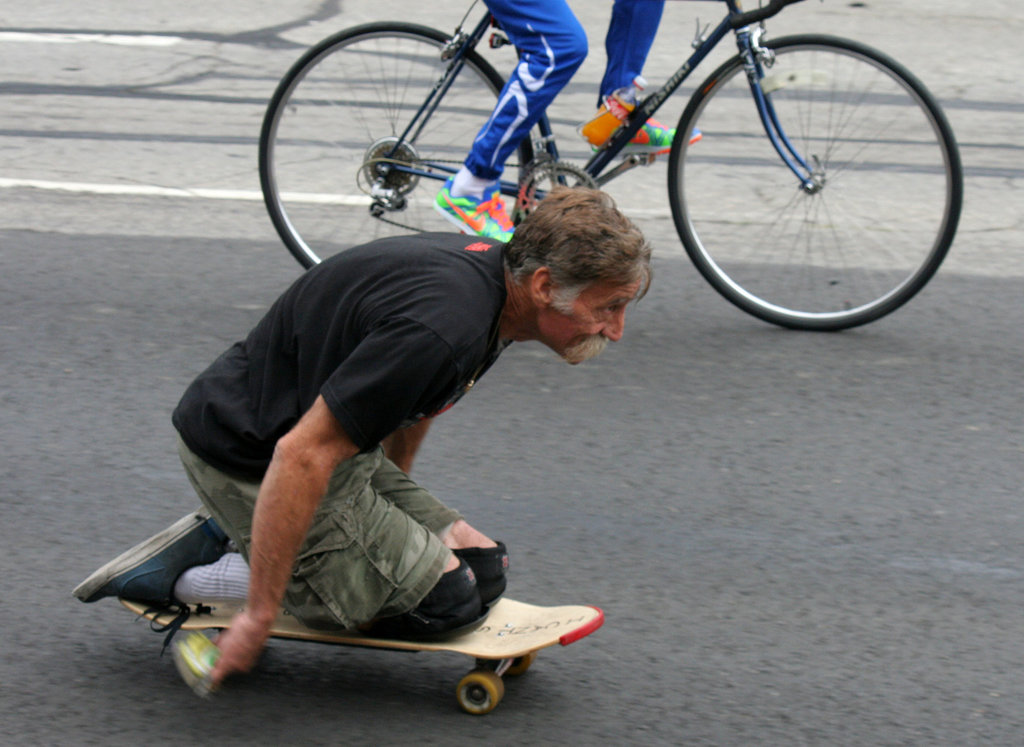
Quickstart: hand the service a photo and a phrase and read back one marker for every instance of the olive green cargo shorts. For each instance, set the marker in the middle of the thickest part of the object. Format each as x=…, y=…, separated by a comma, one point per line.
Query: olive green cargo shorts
x=372, y=550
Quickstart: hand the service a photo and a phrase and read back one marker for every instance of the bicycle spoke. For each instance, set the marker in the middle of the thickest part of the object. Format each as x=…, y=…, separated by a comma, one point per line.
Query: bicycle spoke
x=877, y=221
x=333, y=134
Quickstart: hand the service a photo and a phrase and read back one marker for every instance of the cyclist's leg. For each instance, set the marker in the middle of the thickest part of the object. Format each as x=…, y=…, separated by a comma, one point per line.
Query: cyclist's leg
x=631, y=32
x=552, y=45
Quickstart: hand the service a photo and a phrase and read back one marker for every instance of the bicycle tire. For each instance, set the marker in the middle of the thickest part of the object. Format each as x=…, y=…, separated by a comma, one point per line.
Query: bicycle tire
x=874, y=234
x=341, y=104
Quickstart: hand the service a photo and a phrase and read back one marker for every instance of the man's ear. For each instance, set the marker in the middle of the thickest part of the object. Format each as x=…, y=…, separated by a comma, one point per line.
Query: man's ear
x=542, y=288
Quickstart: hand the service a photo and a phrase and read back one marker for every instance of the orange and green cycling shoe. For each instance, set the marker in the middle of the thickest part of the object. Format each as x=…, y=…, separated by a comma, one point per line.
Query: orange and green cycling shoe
x=654, y=138
x=485, y=218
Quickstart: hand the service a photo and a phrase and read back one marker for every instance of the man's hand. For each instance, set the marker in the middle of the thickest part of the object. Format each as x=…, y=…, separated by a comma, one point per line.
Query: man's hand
x=240, y=646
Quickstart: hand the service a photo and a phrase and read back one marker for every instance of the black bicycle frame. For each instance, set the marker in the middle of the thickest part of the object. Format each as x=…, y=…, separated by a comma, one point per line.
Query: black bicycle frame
x=460, y=48
x=745, y=40
x=735, y=20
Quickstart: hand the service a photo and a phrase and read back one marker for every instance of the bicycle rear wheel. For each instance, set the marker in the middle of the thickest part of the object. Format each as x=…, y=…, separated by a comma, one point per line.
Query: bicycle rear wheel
x=862, y=244
x=339, y=113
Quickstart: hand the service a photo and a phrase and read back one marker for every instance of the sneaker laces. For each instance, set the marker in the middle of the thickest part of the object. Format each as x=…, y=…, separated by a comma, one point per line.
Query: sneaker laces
x=495, y=207
x=181, y=612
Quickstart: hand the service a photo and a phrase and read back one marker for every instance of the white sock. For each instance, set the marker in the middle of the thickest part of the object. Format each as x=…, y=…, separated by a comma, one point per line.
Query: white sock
x=466, y=185
x=227, y=578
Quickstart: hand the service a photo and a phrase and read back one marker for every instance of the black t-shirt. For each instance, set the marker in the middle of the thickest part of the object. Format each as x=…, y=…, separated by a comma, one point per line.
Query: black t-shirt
x=389, y=332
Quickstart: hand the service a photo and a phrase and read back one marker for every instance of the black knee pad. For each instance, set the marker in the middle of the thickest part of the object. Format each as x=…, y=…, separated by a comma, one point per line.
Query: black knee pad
x=453, y=603
x=490, y=564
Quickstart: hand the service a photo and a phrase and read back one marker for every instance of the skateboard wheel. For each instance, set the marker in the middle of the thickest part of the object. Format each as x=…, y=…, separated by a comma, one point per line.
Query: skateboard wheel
x=521, y=663
x=480, y=691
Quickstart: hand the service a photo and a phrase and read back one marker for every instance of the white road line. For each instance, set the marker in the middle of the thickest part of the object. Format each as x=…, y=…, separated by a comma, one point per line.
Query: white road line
x=124, y=40
x=148, y=190
x=308, y=198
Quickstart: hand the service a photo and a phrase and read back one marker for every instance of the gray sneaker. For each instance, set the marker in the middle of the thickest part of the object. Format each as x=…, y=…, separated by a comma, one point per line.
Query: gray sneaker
x=148, y=571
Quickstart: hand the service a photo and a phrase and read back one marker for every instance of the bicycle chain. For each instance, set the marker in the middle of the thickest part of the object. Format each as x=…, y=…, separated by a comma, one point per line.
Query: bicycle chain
x=537, y=172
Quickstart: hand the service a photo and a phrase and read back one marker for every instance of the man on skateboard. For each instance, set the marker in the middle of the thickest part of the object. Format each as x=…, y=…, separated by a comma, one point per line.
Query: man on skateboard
x=281, y=435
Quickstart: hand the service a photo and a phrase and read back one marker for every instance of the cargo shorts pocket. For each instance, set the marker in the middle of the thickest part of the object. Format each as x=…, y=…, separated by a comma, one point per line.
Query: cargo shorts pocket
x=333, y=584
x=358, y=565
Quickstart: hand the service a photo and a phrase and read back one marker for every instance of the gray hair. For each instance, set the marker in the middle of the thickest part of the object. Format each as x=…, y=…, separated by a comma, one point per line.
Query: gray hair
x=582, y=238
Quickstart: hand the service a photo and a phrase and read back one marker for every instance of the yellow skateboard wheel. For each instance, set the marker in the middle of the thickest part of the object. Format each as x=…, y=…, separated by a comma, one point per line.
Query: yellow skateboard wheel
x=480, y=691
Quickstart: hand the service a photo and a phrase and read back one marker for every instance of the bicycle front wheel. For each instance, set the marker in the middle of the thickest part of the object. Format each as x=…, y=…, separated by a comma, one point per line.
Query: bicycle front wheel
x=882, y=212
x=340, y=117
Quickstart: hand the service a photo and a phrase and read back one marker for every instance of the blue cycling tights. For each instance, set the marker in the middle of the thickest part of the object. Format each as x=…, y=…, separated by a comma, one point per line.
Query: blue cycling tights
x=552, y=45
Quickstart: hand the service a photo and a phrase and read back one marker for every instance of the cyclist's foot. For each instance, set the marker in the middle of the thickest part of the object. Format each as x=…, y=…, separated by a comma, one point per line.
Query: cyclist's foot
x=486, y=217
x=654, y=138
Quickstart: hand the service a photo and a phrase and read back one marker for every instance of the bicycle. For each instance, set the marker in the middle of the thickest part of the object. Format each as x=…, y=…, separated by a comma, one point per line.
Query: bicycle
x=824, y=193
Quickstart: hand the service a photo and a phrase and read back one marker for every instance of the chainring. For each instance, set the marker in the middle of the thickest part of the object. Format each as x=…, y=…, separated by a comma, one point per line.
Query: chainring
x=543, y=175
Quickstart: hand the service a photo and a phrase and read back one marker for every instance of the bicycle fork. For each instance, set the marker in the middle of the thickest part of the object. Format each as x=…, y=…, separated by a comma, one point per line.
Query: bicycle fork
x=756, y=59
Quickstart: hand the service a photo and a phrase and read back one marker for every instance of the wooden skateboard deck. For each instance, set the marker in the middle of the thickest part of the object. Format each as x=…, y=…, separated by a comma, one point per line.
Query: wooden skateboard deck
x=506, y=641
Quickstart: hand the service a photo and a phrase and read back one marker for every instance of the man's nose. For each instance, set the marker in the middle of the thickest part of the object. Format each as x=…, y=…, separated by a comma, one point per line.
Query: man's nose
x=615, y=326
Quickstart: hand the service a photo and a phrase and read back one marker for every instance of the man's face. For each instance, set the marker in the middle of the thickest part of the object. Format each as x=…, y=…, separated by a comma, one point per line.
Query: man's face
x=582, y=329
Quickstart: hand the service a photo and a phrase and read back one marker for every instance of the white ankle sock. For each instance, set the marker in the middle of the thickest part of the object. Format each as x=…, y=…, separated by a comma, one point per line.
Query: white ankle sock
x=227, y=578
x=465, y=184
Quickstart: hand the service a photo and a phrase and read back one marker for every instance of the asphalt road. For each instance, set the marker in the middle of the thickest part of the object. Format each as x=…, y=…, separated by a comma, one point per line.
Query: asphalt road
x=797, y=538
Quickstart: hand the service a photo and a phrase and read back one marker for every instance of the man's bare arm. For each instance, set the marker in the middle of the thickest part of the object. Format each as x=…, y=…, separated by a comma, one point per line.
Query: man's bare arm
x=402, y=446
x=292, y=489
